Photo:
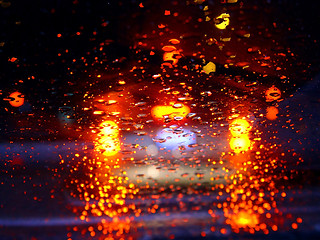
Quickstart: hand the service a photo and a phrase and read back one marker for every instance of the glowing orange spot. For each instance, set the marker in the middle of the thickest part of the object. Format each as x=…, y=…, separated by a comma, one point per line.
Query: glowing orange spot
x=223, y=231
x=172, y=56
x=199, y=1
x=240, y=144
x=166, y=64
x=173, y=111
x=239, y=127
x=16, y=99
x=98, y=112
x=245, y=219
x=108, y=138
x=167, y=12
x=13, y=59
x=141, y=5
x=168, y=48
x=174, y=41
x=109, y=128
x=272, y=94
x=161, y=26
x=272, y=113
x=59, y=35
x=294, y=225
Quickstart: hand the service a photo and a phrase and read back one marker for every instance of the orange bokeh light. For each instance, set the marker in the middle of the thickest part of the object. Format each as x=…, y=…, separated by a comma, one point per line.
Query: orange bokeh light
x=273, y=94
x=272, y=113
x=109, y=129
x=108, y=138
x=172, y=57
x=245, y=219
x=240, y=143
x=173, y=111
x=239, y=127
x=16, y=99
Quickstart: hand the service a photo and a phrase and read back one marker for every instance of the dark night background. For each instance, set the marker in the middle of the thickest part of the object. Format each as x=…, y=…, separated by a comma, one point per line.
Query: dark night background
x=29, y=33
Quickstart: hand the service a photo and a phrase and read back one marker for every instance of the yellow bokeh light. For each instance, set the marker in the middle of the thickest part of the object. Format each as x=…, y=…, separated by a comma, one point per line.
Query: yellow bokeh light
x=210, y=67
x=240, y=144
x=109, y=146
x=239, y=127
x=108, y=138
x=222, y=21
x=109, y=129
x=173, y=111
x=171, y=56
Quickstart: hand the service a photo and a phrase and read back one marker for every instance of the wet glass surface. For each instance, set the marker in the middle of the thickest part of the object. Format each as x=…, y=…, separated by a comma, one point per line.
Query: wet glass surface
x=159, y=119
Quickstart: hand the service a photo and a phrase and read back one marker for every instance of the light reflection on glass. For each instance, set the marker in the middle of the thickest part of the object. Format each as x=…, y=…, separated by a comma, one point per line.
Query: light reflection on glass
x=98, y=191
x=272, y=113
x=172, y=111
x=16, y=99
x=251, y=187
x=175, y=138
x=108, y=138
x=239, y=130
x=240, y=144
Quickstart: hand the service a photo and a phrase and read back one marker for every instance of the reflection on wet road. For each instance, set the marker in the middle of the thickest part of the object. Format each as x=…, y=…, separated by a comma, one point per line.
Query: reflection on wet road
x=161, y=172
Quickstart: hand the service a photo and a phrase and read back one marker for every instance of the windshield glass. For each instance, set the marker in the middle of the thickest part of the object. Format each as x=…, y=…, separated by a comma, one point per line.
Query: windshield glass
x=159, y=119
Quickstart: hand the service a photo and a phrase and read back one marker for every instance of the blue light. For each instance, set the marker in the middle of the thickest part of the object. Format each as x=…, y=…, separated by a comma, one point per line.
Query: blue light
x=175, y=138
